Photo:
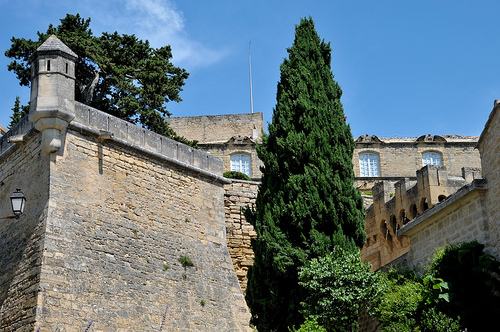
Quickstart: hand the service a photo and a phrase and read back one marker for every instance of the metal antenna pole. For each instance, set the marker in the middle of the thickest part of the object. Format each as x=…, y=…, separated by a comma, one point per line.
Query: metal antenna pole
x=250, y=66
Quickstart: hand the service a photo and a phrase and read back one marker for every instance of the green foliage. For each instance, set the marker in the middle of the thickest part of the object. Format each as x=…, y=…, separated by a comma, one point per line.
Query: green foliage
x=115, y=73
x=474, y=284
x=400, y=301
x=435, y=321
x=306, y=204
x=18, y=112
x=460, y=290
x=436, y=289
x=337, y=286
x=236, y=175
x=202, y=302
x=185, y=261
x=310, y=325
x=409, y=304
x=165, y=267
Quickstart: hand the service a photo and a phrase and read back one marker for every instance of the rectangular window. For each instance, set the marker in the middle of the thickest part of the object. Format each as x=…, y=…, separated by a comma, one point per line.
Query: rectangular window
x=369, y=165
x=241, y=163
x=431, y=158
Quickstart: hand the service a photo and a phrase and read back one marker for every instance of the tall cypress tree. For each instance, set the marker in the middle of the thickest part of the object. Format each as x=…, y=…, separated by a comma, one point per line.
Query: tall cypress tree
x=307, y=203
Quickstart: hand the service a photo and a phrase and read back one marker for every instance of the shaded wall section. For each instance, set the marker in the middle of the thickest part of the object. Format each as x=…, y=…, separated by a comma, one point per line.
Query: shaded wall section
x=22, y=165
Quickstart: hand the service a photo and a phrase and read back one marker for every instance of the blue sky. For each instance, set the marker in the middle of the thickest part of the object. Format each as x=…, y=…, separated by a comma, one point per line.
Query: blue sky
x=406, y=68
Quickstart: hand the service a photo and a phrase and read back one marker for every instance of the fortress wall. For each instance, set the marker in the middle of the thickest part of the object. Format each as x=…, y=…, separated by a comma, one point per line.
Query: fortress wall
x=238, y=195
x=461, y=219
x=389, y=216
x=489, y=146
x=22, y=166
x=119, y=217
x=215, y=128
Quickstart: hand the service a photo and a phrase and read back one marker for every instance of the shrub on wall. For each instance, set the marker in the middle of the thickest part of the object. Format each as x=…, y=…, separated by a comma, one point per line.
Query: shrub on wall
x=236, y=175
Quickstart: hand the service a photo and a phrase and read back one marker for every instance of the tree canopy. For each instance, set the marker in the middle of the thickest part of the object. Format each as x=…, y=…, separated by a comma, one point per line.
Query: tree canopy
x=115, y=73
x=307, y=203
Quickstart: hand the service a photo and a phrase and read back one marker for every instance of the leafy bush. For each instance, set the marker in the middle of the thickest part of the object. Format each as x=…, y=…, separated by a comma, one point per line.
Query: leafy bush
x=338, y=285
x=474, y=284
x=400, y=301
x=236, y=175
x=460, y=291
x=435, y=321
x=310, y=325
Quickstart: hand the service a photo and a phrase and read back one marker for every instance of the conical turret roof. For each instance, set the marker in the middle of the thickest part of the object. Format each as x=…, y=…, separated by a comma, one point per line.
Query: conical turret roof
x=54, y=44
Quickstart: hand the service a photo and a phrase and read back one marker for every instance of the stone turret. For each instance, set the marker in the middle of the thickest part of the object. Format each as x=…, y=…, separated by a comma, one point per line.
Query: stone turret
x=52, y=102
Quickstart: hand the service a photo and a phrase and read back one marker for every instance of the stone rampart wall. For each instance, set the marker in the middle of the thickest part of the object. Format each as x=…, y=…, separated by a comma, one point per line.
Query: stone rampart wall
x=461, y=218
x=107, y=218
x=217, y=128
x=238, y=195
x=22, y=166
x=489, y=146
x=119, y=222
x=96, y=123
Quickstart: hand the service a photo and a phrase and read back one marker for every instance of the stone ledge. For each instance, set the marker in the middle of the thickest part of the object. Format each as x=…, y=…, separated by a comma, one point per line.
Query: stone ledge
x=82, y=129
x=125, y=133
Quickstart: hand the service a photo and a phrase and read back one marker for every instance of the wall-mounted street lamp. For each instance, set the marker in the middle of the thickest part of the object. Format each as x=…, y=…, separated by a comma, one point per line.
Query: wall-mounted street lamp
x=17, y=201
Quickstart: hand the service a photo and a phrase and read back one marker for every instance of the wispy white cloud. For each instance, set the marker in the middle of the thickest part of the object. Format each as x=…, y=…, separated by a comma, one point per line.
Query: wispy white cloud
x=160, y=22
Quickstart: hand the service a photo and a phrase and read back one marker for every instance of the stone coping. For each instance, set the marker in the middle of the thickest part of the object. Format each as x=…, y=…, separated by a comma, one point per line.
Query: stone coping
x=19, y=133
x=476, y=185
x=110, y=128
x=104, y=126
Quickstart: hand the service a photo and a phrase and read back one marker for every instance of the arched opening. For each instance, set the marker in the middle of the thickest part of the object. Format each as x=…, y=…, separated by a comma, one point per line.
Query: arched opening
x=393, y=223
x=403, y=219
x=383, y=229
x=441, y=198
x=413, y=211
x=424, y=204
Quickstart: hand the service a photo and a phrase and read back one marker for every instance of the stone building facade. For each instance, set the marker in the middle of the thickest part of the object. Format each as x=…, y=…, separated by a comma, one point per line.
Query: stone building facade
x=438, y=209
x=110, y=209
x=374, y=159
x=489, y=147
x=232, y=138
x=393, y=159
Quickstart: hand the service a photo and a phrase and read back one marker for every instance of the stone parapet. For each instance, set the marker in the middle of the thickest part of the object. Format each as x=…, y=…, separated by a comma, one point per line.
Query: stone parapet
x=218, y=128
x=101, y=124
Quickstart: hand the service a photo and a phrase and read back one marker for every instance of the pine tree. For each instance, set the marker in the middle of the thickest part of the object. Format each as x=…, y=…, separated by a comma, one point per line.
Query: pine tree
x=307, y=203
x=18, y=112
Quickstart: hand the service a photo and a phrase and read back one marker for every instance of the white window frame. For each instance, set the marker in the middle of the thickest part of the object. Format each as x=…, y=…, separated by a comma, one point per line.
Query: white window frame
x=241, y=162
x=369, y=164
x=432, y=158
